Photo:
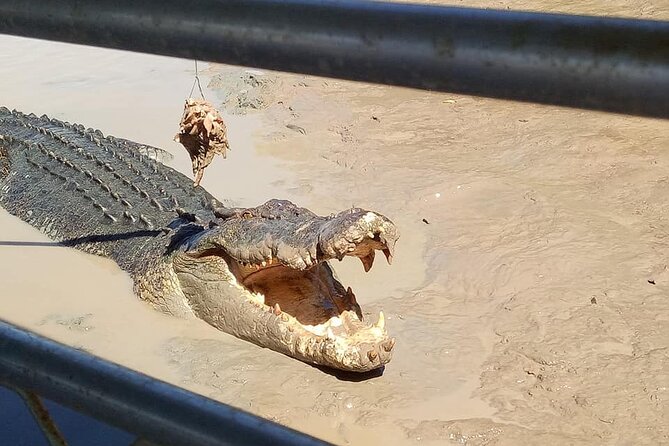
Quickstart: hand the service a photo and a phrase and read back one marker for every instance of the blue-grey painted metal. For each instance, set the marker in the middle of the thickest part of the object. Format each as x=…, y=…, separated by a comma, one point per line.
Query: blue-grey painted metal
x=617, y=65
x=152, y=409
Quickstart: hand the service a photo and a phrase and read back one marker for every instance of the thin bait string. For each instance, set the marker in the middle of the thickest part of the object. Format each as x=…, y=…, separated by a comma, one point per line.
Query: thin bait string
x=196, y=81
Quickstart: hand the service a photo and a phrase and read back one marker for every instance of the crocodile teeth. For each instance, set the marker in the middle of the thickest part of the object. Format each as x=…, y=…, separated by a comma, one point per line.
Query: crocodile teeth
x=389, y=256
x=389, y=247
x=277, y=309
x=258, y=299
x=381, y=323
x=350, y=296
x=307, y=259
x=335, y=322
x=368, y=261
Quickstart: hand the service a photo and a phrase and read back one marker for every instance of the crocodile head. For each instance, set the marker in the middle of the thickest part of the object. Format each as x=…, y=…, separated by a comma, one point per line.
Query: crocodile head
x=262, y=274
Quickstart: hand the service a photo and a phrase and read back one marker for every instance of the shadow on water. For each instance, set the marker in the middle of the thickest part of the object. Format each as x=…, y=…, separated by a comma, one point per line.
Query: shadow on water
x=356, y=377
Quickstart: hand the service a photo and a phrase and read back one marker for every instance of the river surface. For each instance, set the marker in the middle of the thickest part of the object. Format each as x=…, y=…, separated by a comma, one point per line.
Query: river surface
x=529, y=291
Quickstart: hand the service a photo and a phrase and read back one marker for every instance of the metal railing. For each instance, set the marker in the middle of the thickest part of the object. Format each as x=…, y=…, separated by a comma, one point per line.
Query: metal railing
x=618, y=65
x=144, y=406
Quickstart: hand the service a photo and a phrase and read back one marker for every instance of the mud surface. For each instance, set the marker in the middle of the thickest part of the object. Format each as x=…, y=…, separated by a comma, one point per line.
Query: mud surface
x=529, y=291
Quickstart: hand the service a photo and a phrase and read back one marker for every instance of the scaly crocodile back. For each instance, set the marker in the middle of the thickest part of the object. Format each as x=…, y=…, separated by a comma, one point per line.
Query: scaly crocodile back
x=96, y=193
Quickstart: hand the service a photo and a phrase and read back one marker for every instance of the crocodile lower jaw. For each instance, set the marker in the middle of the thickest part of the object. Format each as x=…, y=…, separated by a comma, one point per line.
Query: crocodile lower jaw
x=306, y=314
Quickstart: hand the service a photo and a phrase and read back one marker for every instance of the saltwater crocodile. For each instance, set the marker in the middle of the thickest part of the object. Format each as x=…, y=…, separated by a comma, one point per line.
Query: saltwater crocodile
x=260, y=274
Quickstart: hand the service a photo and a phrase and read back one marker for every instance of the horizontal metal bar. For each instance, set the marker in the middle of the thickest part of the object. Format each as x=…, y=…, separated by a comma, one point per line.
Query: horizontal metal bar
x=608, y=64
x=144, y=406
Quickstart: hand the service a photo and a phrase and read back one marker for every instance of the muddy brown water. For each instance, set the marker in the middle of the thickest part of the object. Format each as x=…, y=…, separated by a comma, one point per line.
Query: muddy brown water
x=529, y=291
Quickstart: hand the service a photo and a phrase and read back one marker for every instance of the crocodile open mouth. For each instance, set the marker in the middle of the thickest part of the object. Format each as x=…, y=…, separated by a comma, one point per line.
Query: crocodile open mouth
x=287, y=296
x=320, y=318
